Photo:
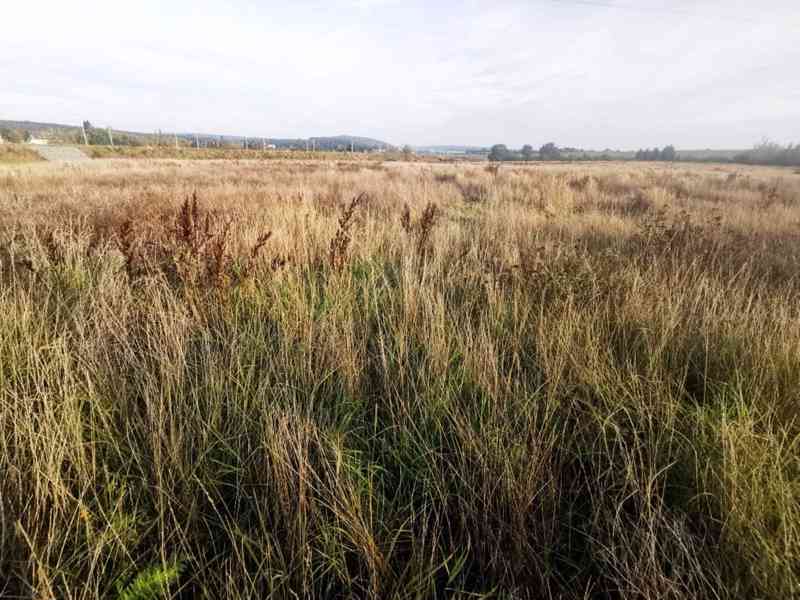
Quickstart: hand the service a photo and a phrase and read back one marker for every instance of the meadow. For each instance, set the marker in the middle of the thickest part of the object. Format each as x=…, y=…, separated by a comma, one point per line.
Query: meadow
x=339, y=379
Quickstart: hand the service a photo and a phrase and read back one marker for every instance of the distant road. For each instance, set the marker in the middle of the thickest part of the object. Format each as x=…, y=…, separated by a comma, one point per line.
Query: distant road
x=60, y=153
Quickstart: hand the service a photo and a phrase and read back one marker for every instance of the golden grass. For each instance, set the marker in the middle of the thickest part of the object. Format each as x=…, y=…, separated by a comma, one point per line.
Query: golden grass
x=17, y=153
x=356, y=379
x=183, y=153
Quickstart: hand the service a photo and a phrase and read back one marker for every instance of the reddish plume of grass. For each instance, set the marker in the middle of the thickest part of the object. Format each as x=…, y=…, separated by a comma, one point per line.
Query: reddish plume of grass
x=337, y=252
x=405, y=220
x=421, y=229
x=191, y=249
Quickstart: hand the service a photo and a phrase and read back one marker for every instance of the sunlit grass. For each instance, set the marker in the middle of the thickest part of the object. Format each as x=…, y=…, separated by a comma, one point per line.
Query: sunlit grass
x=542, y=382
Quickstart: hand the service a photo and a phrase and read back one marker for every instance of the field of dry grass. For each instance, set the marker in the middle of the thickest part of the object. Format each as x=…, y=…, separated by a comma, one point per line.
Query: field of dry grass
x=17, y=153
x=171, y=152
x=23, y=153
x=334, y=379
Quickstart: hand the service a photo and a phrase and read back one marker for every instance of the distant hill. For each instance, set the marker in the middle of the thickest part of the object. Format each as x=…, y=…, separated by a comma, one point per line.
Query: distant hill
x=33, y=126
x=57, y=132
x=344, y=142
x=60, y=133
x=338, y=142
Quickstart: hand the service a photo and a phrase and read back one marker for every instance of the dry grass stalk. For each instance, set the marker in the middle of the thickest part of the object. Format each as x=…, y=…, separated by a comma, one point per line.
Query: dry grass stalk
x=337, y=253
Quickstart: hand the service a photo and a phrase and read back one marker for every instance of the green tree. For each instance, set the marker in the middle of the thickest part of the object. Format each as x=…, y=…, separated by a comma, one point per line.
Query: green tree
x=94, y=135
x=668, y=153
x=499, y=152
x=10, y=135
x=550, y=152
x=527, y=152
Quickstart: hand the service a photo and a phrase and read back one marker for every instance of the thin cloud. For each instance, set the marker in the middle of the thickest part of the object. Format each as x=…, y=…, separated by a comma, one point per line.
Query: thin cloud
x=590, y=73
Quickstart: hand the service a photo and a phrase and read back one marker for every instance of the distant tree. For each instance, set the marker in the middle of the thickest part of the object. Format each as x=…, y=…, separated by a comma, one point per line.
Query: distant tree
x=95, y=136
x=120, y=139
x=527, y=152
x=10, y=135
x=771, y=153
x=408, y=151
x=648, y=154
x=668, y=153
x=98, y=137
x=550, y=152
x=499, y=152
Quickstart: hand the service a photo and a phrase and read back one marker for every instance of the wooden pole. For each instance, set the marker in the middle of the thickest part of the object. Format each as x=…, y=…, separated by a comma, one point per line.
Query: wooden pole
x=110, y=137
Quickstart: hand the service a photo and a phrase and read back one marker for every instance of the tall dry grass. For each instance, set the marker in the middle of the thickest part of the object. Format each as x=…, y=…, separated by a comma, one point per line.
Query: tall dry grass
x=17, y=154
x=398, y=381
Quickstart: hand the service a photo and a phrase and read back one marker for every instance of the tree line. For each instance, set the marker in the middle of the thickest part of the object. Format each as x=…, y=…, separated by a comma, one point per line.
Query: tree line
x=549, y=151
x=668, y=153
x=770, y=153
x=97, y=136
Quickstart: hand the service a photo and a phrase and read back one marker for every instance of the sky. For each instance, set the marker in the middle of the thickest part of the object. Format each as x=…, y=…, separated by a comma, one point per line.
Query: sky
x=585, y=73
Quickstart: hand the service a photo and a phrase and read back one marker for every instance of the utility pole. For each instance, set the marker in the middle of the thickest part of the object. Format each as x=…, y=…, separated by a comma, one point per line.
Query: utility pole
x=110, y=137
x=85, y=139
x=196, y=141
x=176, y=140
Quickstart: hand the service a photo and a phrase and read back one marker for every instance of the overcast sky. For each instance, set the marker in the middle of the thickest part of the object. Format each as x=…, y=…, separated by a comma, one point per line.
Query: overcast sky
x=587, y=73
